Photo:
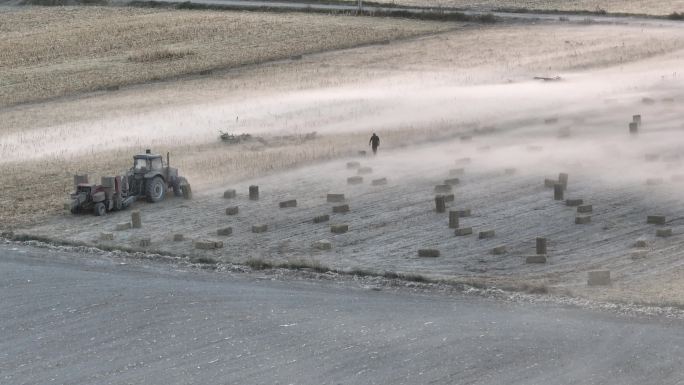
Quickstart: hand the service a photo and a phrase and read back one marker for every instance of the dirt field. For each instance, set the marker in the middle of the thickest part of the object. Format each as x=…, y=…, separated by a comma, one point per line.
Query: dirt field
x=420, y=95
x=640, y=7
x=47, y=52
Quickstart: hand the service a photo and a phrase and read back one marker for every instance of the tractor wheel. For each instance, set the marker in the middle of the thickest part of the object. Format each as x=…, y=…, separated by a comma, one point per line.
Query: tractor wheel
x=155, y=189
x=100, y=209
x=177, y=188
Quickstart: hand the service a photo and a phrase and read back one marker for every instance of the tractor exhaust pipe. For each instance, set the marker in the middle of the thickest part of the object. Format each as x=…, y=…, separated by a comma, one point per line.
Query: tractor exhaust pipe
x=168, y=162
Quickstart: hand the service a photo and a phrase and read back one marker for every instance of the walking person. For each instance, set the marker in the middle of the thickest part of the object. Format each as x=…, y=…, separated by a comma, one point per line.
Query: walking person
x=374, y=142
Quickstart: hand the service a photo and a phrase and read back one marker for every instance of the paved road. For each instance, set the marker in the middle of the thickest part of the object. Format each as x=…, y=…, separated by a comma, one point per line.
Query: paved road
x=80, y=319
x=292, y=5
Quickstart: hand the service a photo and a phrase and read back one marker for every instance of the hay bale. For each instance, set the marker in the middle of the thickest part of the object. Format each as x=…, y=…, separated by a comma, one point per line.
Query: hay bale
x=145, y=242
x=510, y=171
x=259, y=228
x=453, y=219
x=664, y=233
x=335, y=198
x=486, y=234
x=340, y=209
x=207, y=244
x=640, y=244
x=186, y=190
x=465, y=160
x=339, y=228
x=78, y=179
x=598, y=278
x=633, y=128
x=463, y=213
x=440, y=205
x=224, y=231
x=254, y=193
x=648, y=101
x=656, y=219
x=551, y=120
x=136, y=220
x=499, y=250
x=582, y=219
x=533, y=148
x=428, y=253
x=463, y=231
x=232, y=210
x=452, y=181
x=322, y=245
x=288, y=203
x=106, y=236
x=229, y=194
x=456, y=171
x=379, y=182
x=573, y=202
x=541, y=245
x=362, y=153
x=355, y=180
x=466, y=138
x=443, y=188
x=558, y=192
x=353, y=165
x=321, y=218
x=654, y=181
x=178, y=237
x=535, y=259
x=549, y=183
x=583, y=209
x=364, y=170
x=449, y=198
x=651, y=157
x=123, y=226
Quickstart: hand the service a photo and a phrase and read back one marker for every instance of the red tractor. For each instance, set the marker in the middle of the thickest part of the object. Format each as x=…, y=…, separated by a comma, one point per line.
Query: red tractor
x=149, y=177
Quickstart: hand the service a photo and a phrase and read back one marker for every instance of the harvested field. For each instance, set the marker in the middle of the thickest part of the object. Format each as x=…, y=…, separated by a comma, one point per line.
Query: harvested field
x=56, y=51
x=43, y=144
x=400, y=217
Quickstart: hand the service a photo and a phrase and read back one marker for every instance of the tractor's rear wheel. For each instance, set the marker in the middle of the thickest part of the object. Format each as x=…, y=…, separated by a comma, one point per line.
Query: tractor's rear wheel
x=177, y=188
x=100, y=209
x=155, y=189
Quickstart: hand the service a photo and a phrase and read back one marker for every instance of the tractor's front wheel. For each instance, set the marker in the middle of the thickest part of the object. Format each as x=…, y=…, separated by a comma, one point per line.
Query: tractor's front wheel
x=155, y=189
x=100, y=209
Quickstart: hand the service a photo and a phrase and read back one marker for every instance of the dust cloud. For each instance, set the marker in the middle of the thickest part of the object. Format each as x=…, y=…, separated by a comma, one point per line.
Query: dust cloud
x=578, y=123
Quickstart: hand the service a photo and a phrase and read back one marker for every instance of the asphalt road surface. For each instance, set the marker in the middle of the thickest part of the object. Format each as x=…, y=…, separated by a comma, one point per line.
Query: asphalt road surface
x=293, y=5
x=80, y=319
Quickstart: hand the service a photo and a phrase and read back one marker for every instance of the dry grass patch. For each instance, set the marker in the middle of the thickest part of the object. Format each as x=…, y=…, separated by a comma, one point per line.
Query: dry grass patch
x=51, y=52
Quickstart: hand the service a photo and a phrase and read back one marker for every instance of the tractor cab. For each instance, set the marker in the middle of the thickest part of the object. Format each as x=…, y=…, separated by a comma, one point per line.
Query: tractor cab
x=144, y=163
x=151, y=177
